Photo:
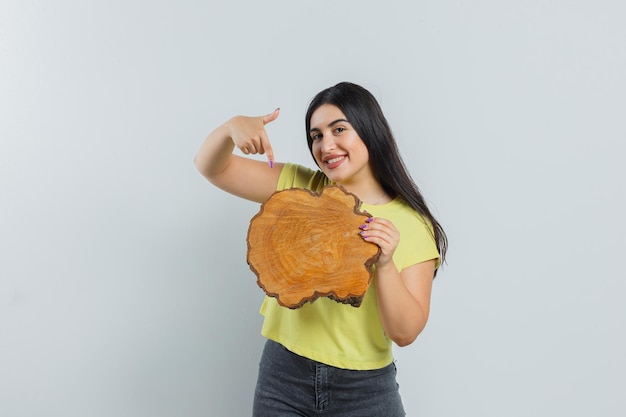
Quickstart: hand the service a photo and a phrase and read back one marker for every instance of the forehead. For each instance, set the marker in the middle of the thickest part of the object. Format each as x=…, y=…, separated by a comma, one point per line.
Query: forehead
x=326, y=114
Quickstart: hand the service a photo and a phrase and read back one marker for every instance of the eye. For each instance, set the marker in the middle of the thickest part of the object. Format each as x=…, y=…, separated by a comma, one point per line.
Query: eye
x=316, y=136
x=339, y=129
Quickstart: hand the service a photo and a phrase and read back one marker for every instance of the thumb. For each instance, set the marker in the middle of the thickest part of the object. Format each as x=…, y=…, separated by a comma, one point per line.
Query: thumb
x=271, y=117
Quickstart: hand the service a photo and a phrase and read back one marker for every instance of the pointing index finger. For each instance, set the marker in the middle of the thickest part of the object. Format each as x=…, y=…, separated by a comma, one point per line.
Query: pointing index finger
x=267, y=147
x=265, y=143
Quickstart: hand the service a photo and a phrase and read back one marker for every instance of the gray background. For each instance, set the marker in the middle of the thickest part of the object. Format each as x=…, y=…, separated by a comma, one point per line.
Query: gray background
x=123, y=284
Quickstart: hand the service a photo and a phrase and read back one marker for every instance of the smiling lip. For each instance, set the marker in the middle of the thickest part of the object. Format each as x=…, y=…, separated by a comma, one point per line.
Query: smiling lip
x=333, y=161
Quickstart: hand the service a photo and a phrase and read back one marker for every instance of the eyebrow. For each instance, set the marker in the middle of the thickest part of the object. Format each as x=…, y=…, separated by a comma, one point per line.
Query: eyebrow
x=334, y=122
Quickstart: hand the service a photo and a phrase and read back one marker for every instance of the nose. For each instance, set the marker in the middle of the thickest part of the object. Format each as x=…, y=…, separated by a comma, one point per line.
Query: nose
x=328, y=143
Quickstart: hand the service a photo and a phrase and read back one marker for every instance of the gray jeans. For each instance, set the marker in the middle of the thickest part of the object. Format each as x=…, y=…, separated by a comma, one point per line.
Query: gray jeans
x=291, y=385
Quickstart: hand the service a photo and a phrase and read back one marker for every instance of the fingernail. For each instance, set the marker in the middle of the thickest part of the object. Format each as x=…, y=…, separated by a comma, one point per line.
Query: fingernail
x=363, y=226
x=370, y=219
x=271, y=164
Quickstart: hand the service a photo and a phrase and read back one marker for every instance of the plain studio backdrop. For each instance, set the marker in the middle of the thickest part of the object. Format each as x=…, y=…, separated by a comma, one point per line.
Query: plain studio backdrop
x=124, y=290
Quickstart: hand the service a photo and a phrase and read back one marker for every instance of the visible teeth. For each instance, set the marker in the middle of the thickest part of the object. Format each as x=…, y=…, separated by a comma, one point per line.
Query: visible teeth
x=332, y=161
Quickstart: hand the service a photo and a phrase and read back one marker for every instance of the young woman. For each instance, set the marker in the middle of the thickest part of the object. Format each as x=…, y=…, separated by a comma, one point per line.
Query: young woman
x=327, y=358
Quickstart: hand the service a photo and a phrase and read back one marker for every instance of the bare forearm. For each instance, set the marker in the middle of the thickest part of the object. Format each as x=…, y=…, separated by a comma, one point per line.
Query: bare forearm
x=402, y=316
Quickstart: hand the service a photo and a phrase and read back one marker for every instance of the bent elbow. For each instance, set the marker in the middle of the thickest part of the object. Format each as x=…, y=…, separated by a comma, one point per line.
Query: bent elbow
x=406, y=337
x=404, y=340
x=199, y=166
x=203, y=169
x=196, y=163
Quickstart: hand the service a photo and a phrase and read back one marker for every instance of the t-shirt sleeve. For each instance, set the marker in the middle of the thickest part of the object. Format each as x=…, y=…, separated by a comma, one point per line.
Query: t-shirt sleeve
x=298, y=176
x=418, y=244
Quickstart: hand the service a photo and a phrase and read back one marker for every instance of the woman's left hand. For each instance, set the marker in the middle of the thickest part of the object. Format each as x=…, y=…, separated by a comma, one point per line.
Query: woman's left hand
x=383, y=233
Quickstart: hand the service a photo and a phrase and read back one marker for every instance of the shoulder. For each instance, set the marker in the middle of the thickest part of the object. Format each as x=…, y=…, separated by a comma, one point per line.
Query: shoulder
x=412, y=223
x=417, y=242
x=404, y=216
x=298, y=176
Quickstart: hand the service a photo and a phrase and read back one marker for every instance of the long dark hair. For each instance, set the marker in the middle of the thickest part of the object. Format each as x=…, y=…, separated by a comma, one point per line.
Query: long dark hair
x=366, y=117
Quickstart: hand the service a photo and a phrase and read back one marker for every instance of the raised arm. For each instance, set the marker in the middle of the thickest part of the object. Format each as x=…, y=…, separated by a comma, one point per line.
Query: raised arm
x=244, y=177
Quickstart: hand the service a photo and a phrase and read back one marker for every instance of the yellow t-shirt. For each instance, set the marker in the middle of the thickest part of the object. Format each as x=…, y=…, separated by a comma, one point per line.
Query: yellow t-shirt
x=338, y=334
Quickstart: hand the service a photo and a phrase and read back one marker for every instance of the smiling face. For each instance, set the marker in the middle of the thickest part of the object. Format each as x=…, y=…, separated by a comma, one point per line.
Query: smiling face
x=337, y=147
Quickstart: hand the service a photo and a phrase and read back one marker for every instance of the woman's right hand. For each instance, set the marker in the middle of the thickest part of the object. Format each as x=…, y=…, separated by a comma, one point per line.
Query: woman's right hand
x=244, y=177
x=249, y=135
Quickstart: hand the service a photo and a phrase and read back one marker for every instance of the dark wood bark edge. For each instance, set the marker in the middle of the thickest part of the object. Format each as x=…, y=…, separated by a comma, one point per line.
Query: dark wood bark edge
x=351, y=299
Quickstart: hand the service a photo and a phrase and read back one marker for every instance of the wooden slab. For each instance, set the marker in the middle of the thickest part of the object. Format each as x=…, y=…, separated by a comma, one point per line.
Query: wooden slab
x=304, y=245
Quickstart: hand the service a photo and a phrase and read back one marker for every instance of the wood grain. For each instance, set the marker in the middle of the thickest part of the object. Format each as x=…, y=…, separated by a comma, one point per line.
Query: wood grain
x=303, y=245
